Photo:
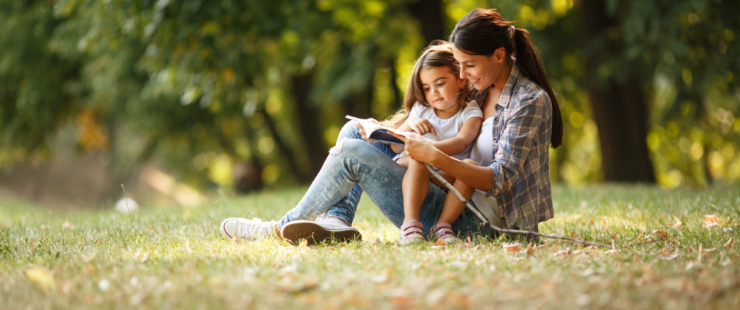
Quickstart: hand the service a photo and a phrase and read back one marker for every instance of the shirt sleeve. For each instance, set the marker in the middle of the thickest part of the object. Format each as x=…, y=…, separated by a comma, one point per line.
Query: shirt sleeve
x=416, y=110
x=516, y=142
x=471, y=110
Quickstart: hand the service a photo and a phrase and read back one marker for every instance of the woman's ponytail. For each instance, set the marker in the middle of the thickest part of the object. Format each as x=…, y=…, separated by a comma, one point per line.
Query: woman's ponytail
x=529, y=63
x=482, y=32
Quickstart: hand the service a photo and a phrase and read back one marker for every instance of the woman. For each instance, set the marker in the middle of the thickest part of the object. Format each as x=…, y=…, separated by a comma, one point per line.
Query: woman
x=525, y=122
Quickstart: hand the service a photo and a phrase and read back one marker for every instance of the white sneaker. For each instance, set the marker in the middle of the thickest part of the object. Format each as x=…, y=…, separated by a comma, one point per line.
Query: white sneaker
x=253, y=229
x=318, y=231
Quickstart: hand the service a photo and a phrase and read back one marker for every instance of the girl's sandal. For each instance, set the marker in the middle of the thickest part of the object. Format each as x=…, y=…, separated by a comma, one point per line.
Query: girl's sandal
x=444, y=232
x=411, y=232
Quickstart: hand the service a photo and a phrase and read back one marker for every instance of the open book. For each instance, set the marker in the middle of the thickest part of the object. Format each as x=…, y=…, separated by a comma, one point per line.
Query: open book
x=378, y=132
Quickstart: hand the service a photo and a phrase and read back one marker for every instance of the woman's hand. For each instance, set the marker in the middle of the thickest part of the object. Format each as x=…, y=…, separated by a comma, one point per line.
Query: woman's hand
x=421, y=125
x=419, y=148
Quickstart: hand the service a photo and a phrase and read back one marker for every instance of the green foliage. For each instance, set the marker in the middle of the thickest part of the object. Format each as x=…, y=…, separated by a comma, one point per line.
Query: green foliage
x=202, y=86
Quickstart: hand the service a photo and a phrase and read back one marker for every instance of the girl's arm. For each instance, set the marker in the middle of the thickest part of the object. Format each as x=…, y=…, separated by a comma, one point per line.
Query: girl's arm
x=464, y=138
x=418, y=124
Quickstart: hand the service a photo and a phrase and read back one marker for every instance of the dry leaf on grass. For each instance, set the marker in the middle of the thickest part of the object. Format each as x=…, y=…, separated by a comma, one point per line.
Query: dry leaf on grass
x=42, y=278
x=511, y=247
x=440, y=242
x=730, y=243
x=530, y=250
x=144, y=257
x=303, y=243
x=564, y=252
x=712, y=221
x=67, y=226
x=614, y=236
x=675, y=225
x=401, y=302
x=660, y=234
x=187, y=246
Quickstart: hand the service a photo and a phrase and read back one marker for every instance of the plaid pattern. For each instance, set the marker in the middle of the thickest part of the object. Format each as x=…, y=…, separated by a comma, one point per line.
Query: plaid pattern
x=521, y=156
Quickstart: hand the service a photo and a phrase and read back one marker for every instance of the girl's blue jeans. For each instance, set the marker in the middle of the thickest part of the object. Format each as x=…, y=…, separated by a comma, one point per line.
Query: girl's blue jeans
x=355, y=165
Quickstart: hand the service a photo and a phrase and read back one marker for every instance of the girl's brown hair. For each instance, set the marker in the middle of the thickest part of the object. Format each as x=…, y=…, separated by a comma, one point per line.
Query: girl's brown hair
x=482, y=32
x=437, y=54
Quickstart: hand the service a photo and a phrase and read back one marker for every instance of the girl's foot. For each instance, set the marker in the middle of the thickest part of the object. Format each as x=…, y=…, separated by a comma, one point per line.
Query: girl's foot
x=444, y=232
x=411, y=232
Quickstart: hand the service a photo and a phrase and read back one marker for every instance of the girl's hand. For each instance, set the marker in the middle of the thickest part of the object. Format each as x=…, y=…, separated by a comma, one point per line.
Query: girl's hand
x=362, y=130
x=419, y=148
x=421, y=125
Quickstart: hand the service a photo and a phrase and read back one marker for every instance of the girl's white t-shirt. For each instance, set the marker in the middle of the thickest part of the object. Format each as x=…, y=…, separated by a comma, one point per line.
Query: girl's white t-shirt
x=482, y=153
x=445, y=128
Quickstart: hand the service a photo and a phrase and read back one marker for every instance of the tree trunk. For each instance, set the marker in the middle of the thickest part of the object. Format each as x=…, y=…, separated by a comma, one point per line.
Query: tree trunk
x=618, y=105
x=430, y=16
x=308, y=124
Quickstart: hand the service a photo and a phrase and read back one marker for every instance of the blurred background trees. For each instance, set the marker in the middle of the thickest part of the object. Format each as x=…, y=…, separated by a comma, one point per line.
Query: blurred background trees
x=239, y=95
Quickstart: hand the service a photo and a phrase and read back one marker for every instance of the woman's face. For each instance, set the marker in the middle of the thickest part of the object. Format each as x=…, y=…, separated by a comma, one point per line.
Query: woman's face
x=440, y=87
x=482, y=71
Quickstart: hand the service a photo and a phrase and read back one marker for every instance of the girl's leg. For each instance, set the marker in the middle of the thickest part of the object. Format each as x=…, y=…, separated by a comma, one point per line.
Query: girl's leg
x=445, y=176
x=415, y=188
x=453, y=207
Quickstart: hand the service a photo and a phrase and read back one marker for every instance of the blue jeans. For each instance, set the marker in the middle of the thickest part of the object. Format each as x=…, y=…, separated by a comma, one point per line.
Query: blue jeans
x=357, y=165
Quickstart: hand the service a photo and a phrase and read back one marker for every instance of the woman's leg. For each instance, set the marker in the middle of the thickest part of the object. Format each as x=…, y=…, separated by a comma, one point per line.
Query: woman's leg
x=381, y=178
x=345, y=209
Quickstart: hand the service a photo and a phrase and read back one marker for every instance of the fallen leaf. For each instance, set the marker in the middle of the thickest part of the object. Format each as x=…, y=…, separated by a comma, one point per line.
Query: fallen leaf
x=675, y=225
x=401, y=302
x=440, y=242
x=564, y=252
x=530, y=250
x=712, y=221
x=512, y=247
x=709, y=250
x=303, y=243
x=660, y=234
x=67, y=226
x=730, y=243
x=614, y=236
x=394, y=247
x=144, y=258
x=42, y=278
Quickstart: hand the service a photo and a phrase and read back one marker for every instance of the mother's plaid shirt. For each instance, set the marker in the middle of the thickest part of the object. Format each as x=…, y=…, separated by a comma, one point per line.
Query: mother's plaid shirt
x=521, y=156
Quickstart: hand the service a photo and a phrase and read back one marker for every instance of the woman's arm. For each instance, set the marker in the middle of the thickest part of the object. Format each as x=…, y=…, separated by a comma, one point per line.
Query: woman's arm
x=423, y=150
x=464, y=138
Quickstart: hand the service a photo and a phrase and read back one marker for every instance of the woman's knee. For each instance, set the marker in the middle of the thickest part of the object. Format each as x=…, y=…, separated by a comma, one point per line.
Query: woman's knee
x=349, y=130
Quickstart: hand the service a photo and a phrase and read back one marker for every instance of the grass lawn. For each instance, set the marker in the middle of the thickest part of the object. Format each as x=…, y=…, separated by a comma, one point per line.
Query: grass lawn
x=174, y=257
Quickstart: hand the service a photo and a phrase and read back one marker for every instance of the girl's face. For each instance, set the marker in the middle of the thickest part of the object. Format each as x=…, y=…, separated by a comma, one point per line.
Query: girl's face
x=441, y=87
x=482, y=71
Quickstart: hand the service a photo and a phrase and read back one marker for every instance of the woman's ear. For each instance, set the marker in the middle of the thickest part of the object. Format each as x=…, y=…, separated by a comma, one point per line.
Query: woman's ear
x=499, y=55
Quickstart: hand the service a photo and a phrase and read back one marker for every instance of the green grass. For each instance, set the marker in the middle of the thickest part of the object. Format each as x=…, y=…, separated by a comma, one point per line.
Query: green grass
x=173, y=257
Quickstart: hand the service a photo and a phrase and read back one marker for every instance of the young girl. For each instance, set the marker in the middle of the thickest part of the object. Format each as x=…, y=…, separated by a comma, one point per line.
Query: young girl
x=438, y=109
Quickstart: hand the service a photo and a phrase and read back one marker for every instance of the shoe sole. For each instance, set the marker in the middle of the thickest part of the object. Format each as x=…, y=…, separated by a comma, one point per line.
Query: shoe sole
x=315, y=233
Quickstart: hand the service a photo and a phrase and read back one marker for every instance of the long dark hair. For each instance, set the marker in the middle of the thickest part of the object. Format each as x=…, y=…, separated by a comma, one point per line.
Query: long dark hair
x=437, y=54
x=483, y=31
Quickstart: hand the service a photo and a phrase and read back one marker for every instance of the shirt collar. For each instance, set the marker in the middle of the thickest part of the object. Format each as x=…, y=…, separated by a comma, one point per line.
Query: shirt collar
x=507, y=93
x=511, y=83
